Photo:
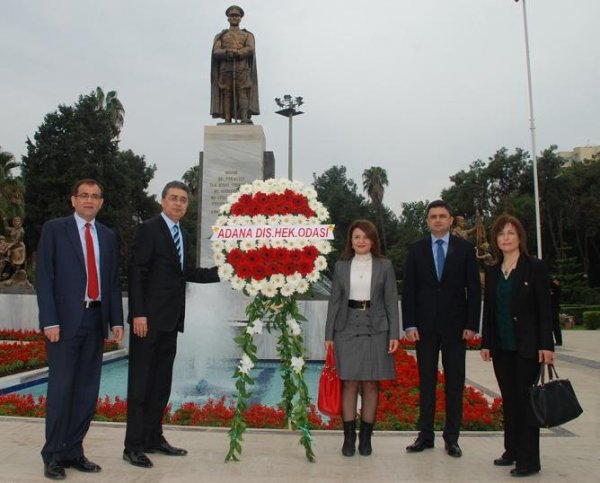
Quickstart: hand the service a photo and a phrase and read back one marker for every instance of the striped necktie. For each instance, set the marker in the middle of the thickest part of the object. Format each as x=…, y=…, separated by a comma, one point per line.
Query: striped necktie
x=177, y=240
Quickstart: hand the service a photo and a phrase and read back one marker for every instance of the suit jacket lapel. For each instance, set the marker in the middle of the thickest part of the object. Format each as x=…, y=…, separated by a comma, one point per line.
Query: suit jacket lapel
x=103, y=246
x=375, y=275
x=73, y=236
x=519, y=276
x=170, y=242
x=428, y=256
x=345, y=275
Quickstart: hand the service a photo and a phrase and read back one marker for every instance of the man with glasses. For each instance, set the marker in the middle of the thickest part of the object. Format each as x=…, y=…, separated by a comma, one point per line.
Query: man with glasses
x=79, y=297
x=234, y=81
x=157, y=278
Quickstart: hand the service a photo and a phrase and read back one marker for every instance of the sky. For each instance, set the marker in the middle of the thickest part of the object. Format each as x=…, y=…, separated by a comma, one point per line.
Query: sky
x=420, y=88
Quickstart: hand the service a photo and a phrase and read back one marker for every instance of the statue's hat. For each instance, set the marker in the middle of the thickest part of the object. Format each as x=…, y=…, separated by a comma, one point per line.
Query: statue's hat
x=234, y=7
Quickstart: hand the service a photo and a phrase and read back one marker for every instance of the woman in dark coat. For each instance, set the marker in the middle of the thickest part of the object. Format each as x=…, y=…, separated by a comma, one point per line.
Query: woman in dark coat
x=517, y=337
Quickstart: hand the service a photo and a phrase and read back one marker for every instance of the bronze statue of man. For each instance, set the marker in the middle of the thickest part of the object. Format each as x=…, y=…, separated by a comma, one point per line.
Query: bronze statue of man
x=234, y=82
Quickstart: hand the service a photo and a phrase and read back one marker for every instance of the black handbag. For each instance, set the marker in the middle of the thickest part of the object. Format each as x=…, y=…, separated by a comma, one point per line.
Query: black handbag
x=553, y=402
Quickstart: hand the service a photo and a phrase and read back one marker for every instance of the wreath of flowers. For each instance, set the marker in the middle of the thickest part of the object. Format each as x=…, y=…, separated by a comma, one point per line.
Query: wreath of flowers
x=273, y=270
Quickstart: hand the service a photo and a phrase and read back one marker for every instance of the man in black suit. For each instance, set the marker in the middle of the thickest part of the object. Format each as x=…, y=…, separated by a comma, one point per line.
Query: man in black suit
x=79, y=296
x=441, y=303
x=157, y=281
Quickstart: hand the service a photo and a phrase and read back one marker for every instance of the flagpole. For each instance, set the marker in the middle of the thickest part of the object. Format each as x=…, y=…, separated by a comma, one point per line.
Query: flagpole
x=536, y=194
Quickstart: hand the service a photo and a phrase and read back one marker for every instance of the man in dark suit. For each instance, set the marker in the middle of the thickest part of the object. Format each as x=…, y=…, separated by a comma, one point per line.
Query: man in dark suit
x=79, y=296
x=441, y=303
x=157, y=281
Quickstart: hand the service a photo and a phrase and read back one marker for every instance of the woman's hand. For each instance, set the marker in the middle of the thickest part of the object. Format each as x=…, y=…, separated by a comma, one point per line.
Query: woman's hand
x=328, y=344
x=485, y=355
x=392, y=346
x=545, y=357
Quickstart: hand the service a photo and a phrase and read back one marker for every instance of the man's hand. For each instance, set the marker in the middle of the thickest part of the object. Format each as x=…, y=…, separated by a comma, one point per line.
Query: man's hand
x=468, y=334
x=485, y=355
x=140, y=326
x=53, y=334
x=412, y=334
x=328, y=344
x=117, y=333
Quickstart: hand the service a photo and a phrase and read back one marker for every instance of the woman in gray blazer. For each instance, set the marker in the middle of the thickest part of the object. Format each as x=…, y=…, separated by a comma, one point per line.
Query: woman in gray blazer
x=363, y=324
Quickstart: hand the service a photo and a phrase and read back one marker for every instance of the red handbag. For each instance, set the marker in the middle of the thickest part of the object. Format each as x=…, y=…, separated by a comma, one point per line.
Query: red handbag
x=330, y=388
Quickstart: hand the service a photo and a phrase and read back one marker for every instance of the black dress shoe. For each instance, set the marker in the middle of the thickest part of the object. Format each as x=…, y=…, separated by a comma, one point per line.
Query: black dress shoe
x=54, y=471
x=453, y=449
x=419, y=445
x=165, y=448
x=82, y=464
x=522, y=472
x=503, y=461
x=137, y=458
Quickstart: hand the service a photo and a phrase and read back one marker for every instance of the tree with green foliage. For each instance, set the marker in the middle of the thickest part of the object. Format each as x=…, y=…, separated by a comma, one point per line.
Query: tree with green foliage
x=374, y=182
x=77, y=142
x=190, y=221
x=11, y=187
x=339, y=194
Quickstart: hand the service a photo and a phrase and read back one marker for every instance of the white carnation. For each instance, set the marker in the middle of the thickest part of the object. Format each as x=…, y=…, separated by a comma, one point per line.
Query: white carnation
x=246, y=189
x=277, y=279
x=302, y=286
x=287, y=290
x=255, y=328
x=297, y=364
x=237, y=283
x=269, y=290
x=246, y=364
x=247, y=244
x=313, y=276
x=225, y=272
x=320, y=263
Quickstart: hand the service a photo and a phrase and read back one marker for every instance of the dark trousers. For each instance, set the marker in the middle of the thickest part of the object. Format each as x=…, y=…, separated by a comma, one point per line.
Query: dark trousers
x=73, y=384
x=149, y=387
x=515, y=375
x=453, y=362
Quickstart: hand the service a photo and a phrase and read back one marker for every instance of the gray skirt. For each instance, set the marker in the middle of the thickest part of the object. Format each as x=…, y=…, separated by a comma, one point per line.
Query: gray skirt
x=361, y=354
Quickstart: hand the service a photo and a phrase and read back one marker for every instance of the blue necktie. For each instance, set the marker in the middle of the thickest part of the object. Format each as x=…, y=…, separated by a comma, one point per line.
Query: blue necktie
x=177, y=240
x=440, y=257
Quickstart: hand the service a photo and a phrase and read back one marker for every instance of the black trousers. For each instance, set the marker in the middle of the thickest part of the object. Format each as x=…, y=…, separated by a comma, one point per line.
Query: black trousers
x=73, y=384
x=453, y=362
x=515, y=375
x=148, y=387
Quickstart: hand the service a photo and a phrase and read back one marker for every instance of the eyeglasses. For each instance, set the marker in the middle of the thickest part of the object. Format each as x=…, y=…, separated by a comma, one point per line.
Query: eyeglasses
x=87, y=196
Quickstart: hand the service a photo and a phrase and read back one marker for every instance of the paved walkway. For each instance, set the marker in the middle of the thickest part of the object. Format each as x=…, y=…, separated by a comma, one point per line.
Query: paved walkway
x=571, y=452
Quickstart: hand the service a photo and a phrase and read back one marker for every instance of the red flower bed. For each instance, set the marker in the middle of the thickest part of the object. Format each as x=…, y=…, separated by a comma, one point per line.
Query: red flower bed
x=26, y=350
x=398, y=407
x=472, y=344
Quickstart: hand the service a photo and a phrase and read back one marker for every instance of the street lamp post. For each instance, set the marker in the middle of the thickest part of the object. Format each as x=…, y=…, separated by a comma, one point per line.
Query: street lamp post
x=536, y=194
x=288, y=109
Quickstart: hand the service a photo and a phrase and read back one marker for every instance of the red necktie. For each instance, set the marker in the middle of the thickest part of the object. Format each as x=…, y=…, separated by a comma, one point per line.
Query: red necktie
x=92, y=290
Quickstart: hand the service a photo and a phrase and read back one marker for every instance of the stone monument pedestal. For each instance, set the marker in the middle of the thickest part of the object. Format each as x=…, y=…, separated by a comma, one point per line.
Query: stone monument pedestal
x=234, y=154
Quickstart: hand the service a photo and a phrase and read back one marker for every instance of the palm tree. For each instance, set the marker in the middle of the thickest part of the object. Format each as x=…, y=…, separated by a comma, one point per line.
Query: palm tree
x=192, y=178
x=113, y=106
x=374, y=181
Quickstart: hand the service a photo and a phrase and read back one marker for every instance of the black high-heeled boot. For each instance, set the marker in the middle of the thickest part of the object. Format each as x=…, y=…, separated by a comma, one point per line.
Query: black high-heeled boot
x=349, y=447
x=364, y=438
